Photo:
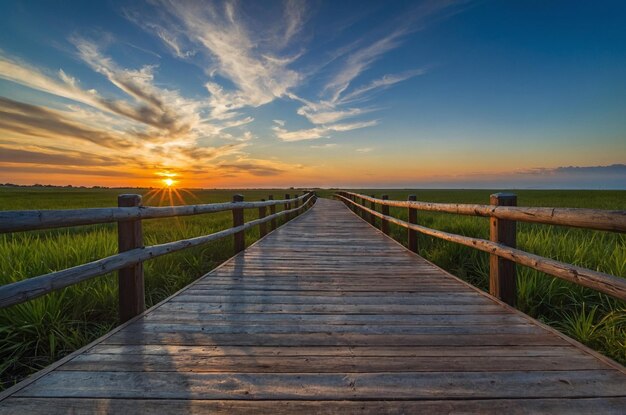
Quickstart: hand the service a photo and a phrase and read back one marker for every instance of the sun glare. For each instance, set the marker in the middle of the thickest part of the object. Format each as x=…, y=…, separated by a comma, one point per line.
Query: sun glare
x=169, y=182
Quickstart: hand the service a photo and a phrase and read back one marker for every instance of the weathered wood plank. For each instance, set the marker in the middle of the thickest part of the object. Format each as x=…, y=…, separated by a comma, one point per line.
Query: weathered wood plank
x=322, y=364
x=361, y=329
x=333, y=339
x=200, y=307
x=88, y=406
x=344, y=351
x=298, y=318
x=418, y=385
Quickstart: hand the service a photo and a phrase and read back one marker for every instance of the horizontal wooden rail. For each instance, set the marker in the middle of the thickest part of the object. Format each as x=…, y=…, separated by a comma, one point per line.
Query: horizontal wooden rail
x=598, y=219
x=28, y=289
x=605, y=283
x=27, y=220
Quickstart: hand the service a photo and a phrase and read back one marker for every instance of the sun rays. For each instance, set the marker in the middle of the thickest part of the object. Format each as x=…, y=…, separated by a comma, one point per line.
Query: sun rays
x=168, y=194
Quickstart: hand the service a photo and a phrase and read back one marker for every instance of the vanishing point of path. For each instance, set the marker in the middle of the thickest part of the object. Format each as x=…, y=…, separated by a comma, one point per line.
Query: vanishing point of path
x=327, y=315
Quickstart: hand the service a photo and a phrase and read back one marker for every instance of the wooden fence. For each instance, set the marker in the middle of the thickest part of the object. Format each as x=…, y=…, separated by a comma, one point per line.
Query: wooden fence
x=503, y=213
x=132, y=253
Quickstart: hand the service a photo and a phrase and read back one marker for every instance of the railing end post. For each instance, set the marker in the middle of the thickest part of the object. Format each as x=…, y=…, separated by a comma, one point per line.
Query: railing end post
x=131, y=291
x=262, y=226
x=384, y=224
x=502, y=272
x=239, y=237
x=412, y=234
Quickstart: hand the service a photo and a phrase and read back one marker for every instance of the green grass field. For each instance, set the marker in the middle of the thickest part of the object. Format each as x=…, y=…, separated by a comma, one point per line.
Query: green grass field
x=38, y=332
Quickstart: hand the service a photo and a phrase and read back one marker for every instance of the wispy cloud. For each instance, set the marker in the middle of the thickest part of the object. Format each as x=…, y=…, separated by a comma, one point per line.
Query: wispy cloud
x=324, y=146
x=319, y=132
x=364, y=150
x=251, y=59
x=340, y=96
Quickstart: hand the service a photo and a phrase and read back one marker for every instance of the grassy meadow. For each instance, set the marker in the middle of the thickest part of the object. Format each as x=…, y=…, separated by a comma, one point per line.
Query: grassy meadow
x=35, y=333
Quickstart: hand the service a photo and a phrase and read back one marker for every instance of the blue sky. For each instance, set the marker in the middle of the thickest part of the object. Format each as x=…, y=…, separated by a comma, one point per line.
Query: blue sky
x=382, y=94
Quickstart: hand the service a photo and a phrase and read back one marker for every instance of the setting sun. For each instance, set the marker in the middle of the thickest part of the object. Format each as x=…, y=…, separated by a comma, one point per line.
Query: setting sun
x=169, y=182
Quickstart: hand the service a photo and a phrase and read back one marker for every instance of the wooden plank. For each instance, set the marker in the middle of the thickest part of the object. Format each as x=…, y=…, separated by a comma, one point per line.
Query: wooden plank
x=323, y=364
x=353, y=319
x=333, y=339
x=417, y=385
x=295, y=328
x=77, y=406
x=431, y=298
x=344, y=309
x=344, y=351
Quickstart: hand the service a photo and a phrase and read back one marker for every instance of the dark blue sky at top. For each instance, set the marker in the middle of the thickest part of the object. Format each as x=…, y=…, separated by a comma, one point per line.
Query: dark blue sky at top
x=506, y=74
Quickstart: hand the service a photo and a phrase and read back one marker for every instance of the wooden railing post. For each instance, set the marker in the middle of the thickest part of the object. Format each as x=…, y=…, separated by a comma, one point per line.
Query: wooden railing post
x=240, y=237
x=130, y=279
x=502, y=275
x=373, y=207
x=288, y=206
x=263, y=226
x=412, y=219
x=384, y=224
x=272, y=211
x=361, y=211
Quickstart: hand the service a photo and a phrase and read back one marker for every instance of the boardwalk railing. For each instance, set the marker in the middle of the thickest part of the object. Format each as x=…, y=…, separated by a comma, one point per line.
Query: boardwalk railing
x=503, y=213
x=132, y=253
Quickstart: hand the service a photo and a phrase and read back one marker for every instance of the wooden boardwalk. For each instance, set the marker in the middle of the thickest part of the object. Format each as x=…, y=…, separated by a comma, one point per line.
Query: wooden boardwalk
x=327, y=315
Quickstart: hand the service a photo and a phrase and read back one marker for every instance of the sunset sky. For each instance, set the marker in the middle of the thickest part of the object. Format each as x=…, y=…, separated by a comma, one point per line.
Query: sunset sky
x=493, y=94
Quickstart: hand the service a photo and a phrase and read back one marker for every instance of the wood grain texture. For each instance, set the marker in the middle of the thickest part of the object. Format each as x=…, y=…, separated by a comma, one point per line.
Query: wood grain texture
x=328, y=315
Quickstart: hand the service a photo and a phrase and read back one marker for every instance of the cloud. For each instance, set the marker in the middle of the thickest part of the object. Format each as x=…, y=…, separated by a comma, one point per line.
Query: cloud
x=359, y=61
x=279, y=122
x=323, y=146
x=249, y=57
x=354, y=60
x=250, y=168
x=158, y=107
x=43, y=156
x=325, y=117
x=32, y=120
x=364, y=150
x=381, y=83
x=564, y=177
x=319, y=132
x=613, y=169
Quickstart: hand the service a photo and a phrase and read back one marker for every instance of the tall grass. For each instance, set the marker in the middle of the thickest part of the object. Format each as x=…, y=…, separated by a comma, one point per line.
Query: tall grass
x=38, y=332
x=592, y=318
